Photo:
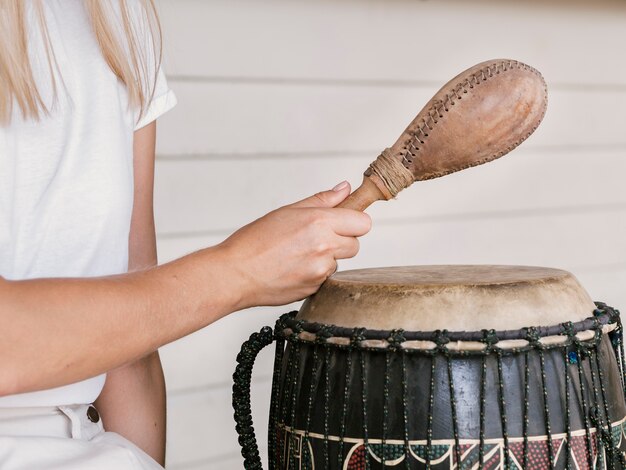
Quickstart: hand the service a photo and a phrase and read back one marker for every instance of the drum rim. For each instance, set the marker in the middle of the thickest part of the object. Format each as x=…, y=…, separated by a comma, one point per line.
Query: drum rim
x=602, y=316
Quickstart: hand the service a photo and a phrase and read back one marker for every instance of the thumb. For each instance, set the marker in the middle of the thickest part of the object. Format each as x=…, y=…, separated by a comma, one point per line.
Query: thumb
x=329, y=198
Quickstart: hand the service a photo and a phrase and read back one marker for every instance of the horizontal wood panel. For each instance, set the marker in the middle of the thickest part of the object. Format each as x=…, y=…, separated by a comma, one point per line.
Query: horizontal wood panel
x=227, y=119
x=559, y=240
x=606, y=284
x=221, y=195
x=207, y=357
x=583, y=239
x=201, y=428
x=570, y=42
x=570, y=239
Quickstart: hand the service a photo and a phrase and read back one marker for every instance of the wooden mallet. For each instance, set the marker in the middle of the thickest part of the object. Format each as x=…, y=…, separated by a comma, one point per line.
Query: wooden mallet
x=478, y=116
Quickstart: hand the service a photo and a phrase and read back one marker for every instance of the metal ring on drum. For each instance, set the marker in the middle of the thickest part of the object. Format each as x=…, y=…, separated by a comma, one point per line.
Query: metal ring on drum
x=455, y=367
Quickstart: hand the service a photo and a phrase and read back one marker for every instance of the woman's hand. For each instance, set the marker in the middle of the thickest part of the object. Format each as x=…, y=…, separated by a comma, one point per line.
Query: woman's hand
x=287, y=254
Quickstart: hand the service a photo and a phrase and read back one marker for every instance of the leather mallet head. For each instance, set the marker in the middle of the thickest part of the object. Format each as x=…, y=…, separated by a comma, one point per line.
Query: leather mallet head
x=478, y=116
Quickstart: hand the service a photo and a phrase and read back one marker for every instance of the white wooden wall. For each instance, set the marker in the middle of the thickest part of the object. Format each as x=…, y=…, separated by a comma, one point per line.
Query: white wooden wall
x=279, y=99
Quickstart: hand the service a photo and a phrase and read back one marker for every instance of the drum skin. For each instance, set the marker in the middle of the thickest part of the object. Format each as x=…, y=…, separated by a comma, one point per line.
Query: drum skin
x=456, y=298
x=350, y=404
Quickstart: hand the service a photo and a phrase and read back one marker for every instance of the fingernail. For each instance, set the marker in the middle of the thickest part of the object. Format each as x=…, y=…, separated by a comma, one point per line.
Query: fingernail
x=340, y=186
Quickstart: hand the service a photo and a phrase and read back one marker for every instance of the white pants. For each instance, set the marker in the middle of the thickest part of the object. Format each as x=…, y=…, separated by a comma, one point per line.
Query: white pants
x=64, y=437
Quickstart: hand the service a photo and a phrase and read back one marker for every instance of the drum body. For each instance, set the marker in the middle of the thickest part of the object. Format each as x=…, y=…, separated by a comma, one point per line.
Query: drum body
x=351, y=395
x=341, y=406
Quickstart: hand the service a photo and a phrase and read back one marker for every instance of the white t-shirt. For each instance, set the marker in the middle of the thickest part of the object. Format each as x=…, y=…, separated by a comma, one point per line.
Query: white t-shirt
x=66, y=181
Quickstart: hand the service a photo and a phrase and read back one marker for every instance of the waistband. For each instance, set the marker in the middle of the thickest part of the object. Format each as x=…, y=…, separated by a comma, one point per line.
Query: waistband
x=69, y=421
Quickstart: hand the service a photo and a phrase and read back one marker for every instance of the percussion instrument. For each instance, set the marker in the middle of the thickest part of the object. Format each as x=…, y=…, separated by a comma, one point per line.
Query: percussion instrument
x=455, y=367
x=480, y=115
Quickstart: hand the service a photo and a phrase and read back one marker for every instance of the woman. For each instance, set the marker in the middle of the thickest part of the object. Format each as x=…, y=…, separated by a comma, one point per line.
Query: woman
x=80, y=293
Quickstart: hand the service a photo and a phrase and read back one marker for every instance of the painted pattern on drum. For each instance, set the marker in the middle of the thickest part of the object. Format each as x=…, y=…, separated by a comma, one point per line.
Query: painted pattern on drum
x=443, y=456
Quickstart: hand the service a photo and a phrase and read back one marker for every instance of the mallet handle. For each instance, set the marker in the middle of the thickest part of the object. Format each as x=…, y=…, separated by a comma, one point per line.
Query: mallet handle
x=364, y=196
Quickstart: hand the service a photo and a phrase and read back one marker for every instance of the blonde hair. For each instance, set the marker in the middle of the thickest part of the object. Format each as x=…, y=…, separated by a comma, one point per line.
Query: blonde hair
x=121, y=40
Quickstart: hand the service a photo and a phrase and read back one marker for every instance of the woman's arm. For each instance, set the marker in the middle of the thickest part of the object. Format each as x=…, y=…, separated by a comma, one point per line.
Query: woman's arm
x=59, y=331
x=132, y=402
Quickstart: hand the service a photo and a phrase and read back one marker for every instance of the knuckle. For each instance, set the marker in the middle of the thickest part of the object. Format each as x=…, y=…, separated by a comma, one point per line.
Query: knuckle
x=349, y=248
x=320, y=273
x=320, y=197
x=322, y=247
x=317, y=217
x=325, y=268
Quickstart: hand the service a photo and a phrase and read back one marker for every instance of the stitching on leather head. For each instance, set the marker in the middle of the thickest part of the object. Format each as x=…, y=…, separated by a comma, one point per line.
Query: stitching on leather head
x=441, y=106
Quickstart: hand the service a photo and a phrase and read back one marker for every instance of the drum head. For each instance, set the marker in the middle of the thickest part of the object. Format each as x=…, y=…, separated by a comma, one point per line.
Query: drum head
x=456, y=298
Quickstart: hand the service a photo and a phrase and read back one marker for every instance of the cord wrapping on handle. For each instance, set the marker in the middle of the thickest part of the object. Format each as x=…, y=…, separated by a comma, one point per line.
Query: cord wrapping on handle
x=392, y=172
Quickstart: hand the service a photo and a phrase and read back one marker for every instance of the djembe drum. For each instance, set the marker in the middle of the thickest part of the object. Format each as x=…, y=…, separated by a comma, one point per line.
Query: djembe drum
x=455, y=367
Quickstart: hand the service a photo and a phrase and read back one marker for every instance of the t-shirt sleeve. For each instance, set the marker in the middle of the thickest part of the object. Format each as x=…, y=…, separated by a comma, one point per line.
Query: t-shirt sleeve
x=162, y=101
x=161, y=97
